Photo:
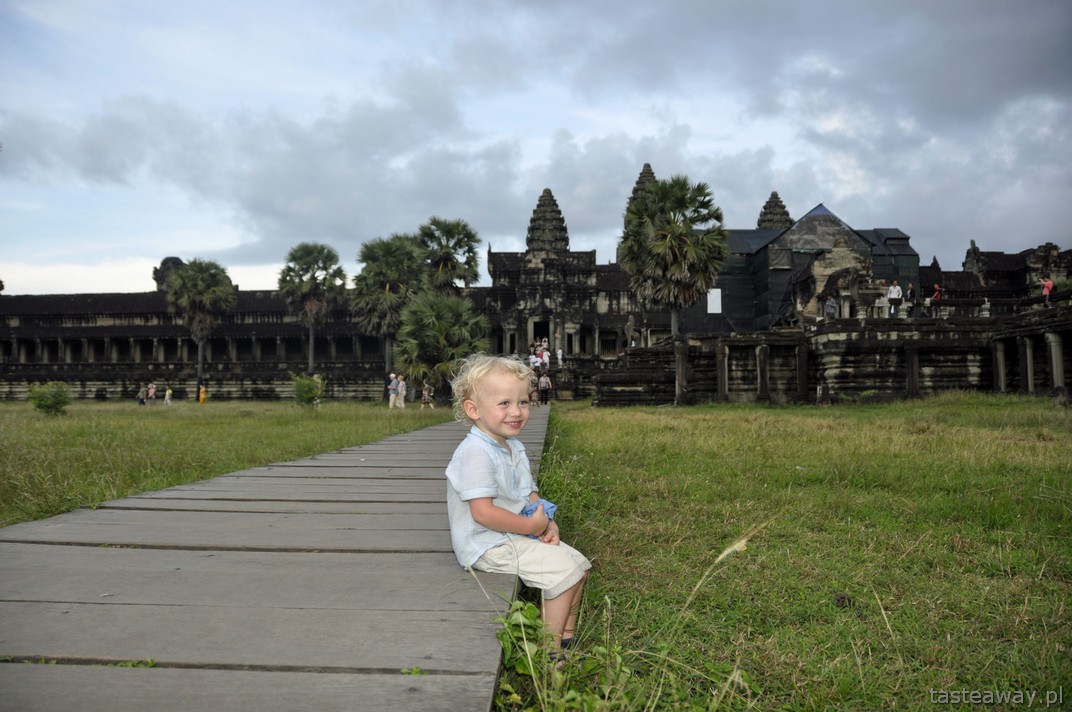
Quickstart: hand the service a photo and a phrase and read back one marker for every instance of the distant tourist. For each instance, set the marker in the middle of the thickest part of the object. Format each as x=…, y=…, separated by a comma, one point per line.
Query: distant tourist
x=545, y=388
x=151, y=394
x=167, y=395
x=426, y=396
x=491, y=492
x=831, y=307
x=893, y=296
x=392, y=391
x=1047, y=287
x=400, y=401
x=910, y=299
x=559, y=353
x=934, y=298
x=534, y=387
x=202, y=394
x=142, y=393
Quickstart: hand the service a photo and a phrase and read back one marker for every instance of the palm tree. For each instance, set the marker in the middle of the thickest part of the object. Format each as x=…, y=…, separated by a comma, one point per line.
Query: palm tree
x=451, y=253
x=202, y=293
x=436, y=331
x=311, y=283
x=673, y=247
x=392, y=273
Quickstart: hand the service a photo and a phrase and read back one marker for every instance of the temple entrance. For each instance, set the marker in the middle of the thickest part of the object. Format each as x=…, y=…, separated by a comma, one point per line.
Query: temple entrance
x=541, y=330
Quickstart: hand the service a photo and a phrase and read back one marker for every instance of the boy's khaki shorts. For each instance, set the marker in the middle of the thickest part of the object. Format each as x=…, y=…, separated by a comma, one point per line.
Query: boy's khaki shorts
x=552, y=569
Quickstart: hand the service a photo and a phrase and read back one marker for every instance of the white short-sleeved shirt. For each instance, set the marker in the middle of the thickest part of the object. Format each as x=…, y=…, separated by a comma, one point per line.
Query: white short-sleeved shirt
x=482, y=467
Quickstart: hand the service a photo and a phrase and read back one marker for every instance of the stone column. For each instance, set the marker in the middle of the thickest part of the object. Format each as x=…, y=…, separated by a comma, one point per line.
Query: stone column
x=1057, y=360
x=1000, y=373
x=912, y=370
x=1027, y=365
x=763, y=371
x=802, y=374
x=722, y=353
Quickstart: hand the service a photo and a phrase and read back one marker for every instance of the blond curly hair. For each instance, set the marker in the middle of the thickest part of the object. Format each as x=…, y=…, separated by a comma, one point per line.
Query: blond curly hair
x=469, y=371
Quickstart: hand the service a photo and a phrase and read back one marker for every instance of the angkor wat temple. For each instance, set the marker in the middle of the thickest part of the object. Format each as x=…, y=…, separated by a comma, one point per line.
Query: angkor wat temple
x=772, y=339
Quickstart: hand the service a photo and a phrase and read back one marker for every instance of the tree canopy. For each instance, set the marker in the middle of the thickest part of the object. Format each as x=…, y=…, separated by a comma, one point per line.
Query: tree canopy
x=201, y=292
x=311, y=283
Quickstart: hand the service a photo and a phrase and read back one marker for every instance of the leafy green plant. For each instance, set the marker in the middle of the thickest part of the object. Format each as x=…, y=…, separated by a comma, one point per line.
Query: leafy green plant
x=51, y=398
x=307, y=389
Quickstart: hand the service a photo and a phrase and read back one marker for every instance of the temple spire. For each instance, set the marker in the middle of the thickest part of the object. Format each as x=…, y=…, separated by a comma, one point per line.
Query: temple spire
x=647, y=175
x=774, y=215
x=547, y=228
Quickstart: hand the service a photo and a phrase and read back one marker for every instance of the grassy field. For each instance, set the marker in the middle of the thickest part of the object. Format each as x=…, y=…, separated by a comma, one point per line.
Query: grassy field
x=894, y=553
x=102, y=451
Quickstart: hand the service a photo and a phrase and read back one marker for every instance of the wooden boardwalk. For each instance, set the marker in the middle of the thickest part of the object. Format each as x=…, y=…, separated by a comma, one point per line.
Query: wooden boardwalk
x=304, y=585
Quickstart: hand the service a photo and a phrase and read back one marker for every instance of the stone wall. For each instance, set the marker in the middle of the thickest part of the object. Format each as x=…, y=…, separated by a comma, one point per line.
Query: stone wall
x=851, y=359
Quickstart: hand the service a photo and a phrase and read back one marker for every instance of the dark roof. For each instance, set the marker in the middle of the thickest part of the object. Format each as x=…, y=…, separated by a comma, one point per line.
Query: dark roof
x=749, y=242
x=887, y=241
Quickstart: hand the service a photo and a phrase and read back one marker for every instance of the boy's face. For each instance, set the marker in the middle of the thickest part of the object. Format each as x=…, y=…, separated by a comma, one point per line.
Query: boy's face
x=500, y=406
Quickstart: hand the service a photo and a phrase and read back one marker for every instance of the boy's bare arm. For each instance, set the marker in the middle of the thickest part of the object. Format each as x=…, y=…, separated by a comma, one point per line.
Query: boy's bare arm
x=488, y=515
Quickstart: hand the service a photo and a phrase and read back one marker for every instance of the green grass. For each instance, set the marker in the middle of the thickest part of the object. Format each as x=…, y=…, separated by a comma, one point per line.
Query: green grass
x=893, y=549
x=98, y=452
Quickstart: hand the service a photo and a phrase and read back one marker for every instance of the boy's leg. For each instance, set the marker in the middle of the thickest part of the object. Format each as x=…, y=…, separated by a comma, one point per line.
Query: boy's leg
x=560, y=613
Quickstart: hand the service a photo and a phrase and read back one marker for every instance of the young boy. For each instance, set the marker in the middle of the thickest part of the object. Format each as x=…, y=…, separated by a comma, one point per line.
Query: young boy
x=489, y=483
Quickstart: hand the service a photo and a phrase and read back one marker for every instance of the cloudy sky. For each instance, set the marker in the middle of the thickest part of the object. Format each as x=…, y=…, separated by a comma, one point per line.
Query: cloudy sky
x=133, y=130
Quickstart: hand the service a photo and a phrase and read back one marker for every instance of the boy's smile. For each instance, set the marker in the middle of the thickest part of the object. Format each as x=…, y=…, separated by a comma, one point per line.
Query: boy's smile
x=500, y=407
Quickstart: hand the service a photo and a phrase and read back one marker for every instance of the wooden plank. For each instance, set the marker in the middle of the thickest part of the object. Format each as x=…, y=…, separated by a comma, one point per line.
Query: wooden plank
x=240, y=636
x=207, y=530
x=352, y=485
x=389, y=505
x=117, y=576
x=62, y=688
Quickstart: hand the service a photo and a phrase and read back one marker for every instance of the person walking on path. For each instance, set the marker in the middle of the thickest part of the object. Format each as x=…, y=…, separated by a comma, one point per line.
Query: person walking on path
x=392, y=391
x=400, y=400
x=545, y=388
x=498, y=522
x=426, y=396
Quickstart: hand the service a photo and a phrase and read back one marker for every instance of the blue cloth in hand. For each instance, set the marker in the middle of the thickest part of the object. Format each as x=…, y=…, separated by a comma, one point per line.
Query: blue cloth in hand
x=548, y=509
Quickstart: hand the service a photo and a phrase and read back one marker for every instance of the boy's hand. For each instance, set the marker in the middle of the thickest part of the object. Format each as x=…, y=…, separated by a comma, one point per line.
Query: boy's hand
x=551, y=535
x=540, y=521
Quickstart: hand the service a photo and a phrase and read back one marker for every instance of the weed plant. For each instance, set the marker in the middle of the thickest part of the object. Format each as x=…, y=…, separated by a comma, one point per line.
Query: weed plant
x=860, y=557
x=104, y=451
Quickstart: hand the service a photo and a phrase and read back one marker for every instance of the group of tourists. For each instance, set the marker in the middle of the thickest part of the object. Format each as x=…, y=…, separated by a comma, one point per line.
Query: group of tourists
x=147, y=394
x=397, y=390
x=896, y=297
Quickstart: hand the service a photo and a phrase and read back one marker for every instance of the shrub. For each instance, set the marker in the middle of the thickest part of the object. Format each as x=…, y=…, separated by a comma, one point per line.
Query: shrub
x=307, y=389
x=50, y=398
